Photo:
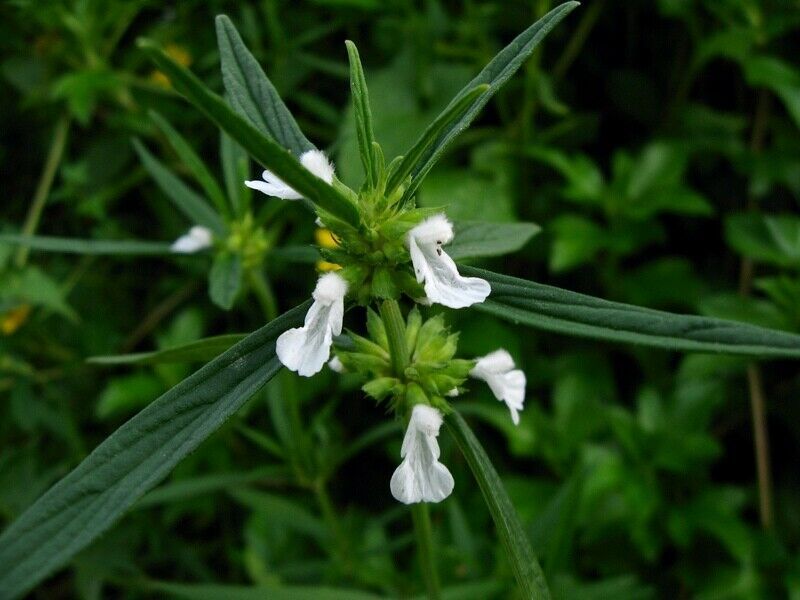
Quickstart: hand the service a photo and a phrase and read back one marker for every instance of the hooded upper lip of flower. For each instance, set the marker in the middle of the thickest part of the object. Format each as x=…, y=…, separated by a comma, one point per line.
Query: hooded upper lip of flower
x=306, y=349
x=420, y=476
x=198, y=238
x=506, y=382
x=313, y=160
x=443, y=284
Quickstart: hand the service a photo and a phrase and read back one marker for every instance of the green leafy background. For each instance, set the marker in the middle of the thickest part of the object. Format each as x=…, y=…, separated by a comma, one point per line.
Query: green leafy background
x=654, y=143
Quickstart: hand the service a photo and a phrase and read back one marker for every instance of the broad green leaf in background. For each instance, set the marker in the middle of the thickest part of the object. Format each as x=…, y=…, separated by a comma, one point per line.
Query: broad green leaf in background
x=78, y=246
x=127, y=394
x=364, y=132
x=189, y=202
x=91, y=498
x=197, y=351
x=193, y=162
x=773, y=239
x=252, y=94
x=475, y=239
x=571, y=313
x=33, y=286
x=780, y=77
x=451, y=114
x=496, y=73
x=277, y=159
x=225, y=279
x=527, y=571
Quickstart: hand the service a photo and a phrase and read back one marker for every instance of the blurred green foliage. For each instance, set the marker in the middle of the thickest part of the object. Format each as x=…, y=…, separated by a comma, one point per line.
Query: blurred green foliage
x=656, y=143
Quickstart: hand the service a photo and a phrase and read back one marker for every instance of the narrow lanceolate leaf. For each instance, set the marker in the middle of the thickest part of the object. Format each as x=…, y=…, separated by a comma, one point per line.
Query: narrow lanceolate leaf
x=495, y=74
x=235, y=171
x=364, y=133
x=76, y=246
x=571, y=313
x=452, y=114
x=252, y=94
x=474, y=239
x=135, y=458
x=193, y=162
x=273, y=156
x=185, y=199
x=197, y=351
x=527, y=571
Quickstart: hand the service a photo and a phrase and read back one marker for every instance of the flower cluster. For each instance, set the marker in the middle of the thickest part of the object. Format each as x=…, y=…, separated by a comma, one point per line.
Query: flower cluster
x=396, y=250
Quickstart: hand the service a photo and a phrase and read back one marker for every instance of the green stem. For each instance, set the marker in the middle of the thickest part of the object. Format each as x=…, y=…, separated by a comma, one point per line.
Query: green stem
x=333, y=523
x=263, y=292
x=398, y=352
x=54, y=156
x=422, y=530
x=396, y=334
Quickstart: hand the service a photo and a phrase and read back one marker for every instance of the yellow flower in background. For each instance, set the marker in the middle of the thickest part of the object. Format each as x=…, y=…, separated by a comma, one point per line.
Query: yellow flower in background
x=14, y=319
x=327, y=240
x=180, y=55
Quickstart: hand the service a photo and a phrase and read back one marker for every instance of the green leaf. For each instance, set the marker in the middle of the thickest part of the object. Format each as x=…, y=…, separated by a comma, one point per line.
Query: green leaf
x=366, y=137
x=527, y=571
x=196, y=351
x=186, y=200
x=283, y=511
x=33, y=286
x=225, y=279
x=562, y=311
x=496, y=73
x=772, y=239
x=76, y=246
x=235, y=171
x=252, y=94
x=187, y=591
x=135, y=458
x=780, y=77
x=193, y=162
x=475, y=238
x=128, y=393
x=183, y=489
x=454, y=111
x=278, y=160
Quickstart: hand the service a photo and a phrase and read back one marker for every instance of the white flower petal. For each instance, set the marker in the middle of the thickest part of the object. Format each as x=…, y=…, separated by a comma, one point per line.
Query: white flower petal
x=314, y=160
x=306, y=349
x=506, y=382
x=273, y=186
x=420, y=476
x=198, y=238
x=318, y=164
x=443, y=283
x=336, y=365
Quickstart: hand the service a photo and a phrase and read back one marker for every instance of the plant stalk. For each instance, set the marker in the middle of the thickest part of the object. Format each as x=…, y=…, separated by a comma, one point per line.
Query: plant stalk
x=264, y=294
x=420, y=514
x=54, y=156
x=398, y=352
x=758, y=401
x=396, y=334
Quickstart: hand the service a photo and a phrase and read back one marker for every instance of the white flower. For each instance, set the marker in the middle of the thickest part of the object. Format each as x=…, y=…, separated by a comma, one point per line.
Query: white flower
x=336, y=365
x=198, y=238
x=443, y=284
x=313, y=160
x=305, y=349
x=421, y=477
x=506, y=382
